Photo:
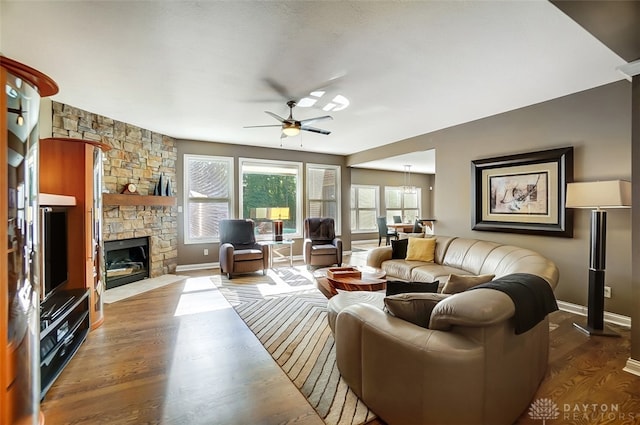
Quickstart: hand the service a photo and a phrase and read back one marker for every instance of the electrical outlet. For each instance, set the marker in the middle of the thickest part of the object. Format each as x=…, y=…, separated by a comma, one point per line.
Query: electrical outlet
x=607, y=291
x=206, y=251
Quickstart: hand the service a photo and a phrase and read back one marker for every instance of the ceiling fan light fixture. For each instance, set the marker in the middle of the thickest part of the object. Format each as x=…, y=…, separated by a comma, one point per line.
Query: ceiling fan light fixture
x=291, y=130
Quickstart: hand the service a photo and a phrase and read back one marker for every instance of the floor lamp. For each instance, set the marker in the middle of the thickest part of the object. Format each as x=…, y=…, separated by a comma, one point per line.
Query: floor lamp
x=598, y=196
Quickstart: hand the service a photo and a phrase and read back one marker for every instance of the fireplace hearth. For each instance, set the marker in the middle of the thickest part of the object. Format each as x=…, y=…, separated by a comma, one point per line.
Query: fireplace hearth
x=127, y=261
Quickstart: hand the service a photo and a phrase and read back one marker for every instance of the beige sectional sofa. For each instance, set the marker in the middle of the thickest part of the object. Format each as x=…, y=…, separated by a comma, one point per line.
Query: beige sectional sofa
x=465, y=256
x=469, y=366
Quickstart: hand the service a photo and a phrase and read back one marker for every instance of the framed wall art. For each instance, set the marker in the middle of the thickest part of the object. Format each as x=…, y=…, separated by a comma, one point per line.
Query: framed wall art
x=523, y=193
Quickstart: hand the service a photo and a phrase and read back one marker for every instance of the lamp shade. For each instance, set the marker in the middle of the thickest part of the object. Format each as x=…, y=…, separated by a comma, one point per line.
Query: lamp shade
x=279, y=213
x=258, y=213
x=601, y=194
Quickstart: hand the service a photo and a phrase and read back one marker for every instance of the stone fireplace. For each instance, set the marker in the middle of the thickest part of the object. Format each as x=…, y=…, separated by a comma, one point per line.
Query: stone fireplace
x=137, y=156
x=158, y=224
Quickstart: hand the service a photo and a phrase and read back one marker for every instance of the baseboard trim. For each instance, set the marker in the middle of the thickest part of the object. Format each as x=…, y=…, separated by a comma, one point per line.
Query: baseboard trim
x=633, y=366
x=616, y=319
x=201, y=266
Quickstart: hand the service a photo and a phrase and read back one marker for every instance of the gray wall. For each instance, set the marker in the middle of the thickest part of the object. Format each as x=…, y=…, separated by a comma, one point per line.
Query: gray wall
x=597, y=123
x=193, y=253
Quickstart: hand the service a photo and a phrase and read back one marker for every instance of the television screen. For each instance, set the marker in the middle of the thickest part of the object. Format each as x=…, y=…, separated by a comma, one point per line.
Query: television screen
x=54, y=249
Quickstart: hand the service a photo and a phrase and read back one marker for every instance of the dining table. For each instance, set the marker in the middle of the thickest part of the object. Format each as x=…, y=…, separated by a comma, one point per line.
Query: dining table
x=401, y=227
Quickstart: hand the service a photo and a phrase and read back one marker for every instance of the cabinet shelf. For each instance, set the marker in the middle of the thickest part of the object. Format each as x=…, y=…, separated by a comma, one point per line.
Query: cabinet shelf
x=64, y=325
x=144, y=200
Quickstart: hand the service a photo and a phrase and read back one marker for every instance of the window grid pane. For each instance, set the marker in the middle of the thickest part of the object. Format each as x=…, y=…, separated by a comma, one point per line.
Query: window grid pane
x=367, y=220
x=406, y=205
x=209, y=196
x=323, y=188
x=366, y=197
x=269, y=187
x=204, y=218
x=208, y=179
x=363, y=217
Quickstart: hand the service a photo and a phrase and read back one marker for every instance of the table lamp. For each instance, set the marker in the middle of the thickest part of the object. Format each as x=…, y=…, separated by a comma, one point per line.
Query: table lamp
x=277, y=215
x=598, y=196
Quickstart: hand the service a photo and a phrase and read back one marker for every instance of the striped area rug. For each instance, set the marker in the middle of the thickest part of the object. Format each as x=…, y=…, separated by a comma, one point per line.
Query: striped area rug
x=288, y=315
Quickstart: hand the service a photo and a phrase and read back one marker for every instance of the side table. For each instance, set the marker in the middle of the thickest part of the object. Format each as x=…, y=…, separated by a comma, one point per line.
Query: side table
x=276, y=246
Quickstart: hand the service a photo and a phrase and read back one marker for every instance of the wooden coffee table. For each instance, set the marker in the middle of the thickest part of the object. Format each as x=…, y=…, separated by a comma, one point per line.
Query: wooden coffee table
x=372, y=279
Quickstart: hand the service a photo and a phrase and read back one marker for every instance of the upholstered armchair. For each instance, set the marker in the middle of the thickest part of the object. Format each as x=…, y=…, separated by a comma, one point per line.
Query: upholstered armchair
x=239, y=252
x=321, y=247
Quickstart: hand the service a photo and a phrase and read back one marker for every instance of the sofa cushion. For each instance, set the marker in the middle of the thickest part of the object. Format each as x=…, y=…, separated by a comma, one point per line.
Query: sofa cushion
x=460, y=283
x=413, y=307
x=399, y=249
x=401, y=269
x=247, y=254
x=429, y=272
x=421, y=249
x=395, y=287
x=325, y=249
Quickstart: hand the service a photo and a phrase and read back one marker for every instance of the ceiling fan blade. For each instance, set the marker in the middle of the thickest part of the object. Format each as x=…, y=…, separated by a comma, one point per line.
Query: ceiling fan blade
x=278, y=117
x=310, y=120
x=314, y=130
x=278, y=88
x=257, y=126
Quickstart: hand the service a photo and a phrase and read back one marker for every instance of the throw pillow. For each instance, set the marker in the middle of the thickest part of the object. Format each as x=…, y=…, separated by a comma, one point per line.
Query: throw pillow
x=458, y=283
x=414, y=308
x=421, y=249
x=395, y=287
x=399, y=249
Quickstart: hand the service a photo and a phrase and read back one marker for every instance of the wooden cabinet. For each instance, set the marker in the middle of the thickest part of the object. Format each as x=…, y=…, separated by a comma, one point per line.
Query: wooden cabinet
x=22, y=88
x=73, y=167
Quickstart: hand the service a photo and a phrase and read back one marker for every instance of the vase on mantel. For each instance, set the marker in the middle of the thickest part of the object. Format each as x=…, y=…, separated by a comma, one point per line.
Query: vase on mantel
x=158, y=191
x=167, y=188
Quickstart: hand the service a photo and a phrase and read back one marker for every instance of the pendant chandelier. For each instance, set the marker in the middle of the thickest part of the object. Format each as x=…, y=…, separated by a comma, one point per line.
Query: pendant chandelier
x=408, y=187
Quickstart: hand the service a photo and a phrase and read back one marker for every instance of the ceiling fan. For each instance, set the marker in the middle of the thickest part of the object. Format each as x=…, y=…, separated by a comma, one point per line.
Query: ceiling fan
x=292, y=127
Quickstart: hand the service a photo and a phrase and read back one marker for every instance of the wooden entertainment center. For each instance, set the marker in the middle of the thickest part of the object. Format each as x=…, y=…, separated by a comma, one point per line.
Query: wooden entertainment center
x=43, y=325
x=71, y=169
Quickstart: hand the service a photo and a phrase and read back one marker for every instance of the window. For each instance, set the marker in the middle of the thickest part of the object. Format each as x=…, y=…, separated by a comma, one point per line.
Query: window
x=208, y=188
x=271, y=190
x=364, y=208
x=323, y=192
x=406, y=205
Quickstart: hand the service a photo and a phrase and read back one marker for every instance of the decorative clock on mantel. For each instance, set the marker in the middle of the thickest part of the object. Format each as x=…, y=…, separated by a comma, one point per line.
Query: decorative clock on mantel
x=130, y=189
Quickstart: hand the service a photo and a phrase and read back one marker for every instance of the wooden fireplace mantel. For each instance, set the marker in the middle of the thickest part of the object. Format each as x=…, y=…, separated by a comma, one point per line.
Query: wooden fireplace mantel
x=144, y=200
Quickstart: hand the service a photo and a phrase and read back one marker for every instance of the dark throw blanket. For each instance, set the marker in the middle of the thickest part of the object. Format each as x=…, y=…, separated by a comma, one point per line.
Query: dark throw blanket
x=531, y=294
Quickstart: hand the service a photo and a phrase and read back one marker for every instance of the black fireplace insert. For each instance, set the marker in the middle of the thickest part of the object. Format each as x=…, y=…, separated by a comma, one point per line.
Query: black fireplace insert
x=127, y=260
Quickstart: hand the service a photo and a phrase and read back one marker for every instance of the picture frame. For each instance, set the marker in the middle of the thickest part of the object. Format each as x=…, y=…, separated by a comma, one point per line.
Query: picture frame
x=523, y=193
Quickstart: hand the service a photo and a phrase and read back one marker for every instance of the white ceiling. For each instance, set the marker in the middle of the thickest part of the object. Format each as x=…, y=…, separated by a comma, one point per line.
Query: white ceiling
x=203, y=70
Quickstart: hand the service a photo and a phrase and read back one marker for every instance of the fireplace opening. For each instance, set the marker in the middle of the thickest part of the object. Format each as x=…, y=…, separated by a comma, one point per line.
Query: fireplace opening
x=127, y=260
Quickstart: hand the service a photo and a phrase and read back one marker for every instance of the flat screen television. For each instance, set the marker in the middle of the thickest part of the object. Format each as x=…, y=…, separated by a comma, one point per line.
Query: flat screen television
x=53, y=242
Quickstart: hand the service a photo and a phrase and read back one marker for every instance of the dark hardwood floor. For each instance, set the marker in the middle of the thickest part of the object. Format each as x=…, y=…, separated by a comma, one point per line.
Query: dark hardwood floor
x=181, y=355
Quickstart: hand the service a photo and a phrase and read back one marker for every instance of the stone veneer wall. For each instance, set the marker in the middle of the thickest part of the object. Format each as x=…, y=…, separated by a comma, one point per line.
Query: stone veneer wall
x=137, y=156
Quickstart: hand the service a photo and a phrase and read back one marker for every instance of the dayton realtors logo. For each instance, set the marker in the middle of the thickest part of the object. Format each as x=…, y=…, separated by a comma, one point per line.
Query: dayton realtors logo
x=546, y=409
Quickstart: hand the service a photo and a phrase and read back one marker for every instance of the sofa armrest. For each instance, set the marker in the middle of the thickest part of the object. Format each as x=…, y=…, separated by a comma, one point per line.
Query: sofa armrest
x=337, y=242
x=226, y=257
x=478, y=308
x=377, y=256
x=306, y=250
